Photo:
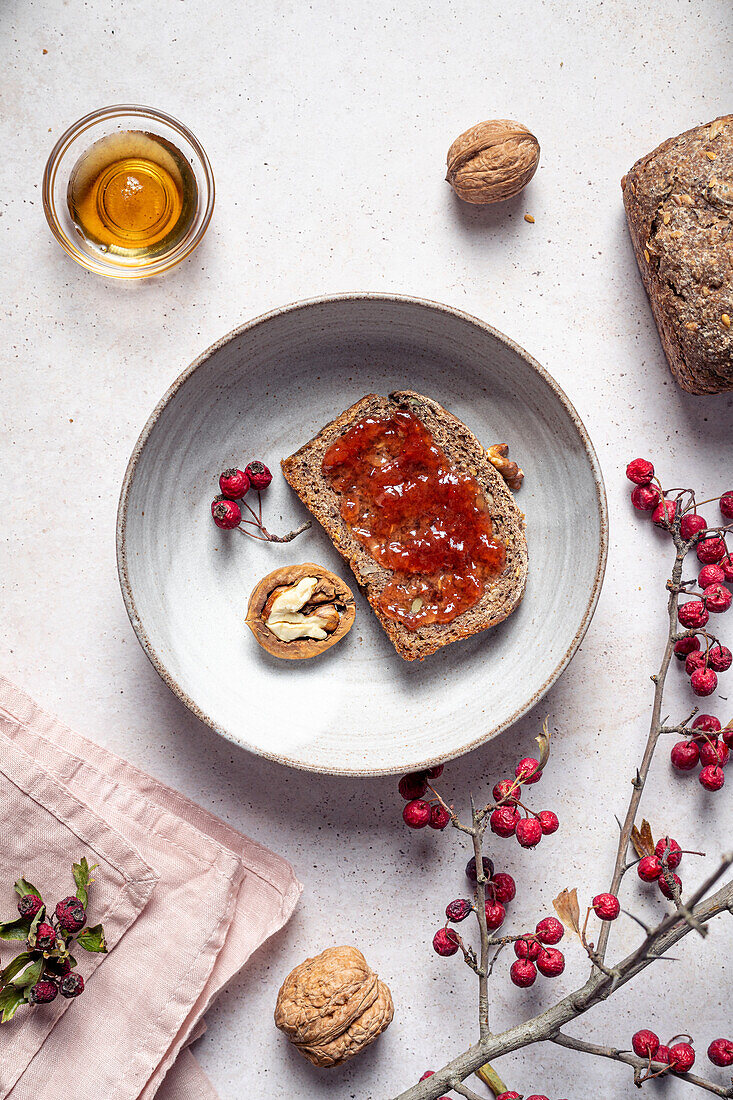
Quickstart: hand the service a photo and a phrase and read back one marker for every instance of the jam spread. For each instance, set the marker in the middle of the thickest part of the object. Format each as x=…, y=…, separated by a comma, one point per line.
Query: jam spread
x=417, y=516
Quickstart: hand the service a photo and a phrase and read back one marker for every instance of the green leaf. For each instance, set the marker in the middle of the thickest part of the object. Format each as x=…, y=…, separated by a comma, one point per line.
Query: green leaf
x=82, y=877
x=92, y=939
x=33, y=931
x=30, y=976
x=15, y=929
x=24, y=887
x=15, y=967
x=10, y=1001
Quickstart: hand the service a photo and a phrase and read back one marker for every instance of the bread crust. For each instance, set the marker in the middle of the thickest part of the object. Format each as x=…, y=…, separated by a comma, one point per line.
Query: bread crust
x=679, y=207
x=302, y=470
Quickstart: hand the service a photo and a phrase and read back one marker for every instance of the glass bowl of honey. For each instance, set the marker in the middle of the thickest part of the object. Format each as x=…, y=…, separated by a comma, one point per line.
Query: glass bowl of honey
x=128, y=191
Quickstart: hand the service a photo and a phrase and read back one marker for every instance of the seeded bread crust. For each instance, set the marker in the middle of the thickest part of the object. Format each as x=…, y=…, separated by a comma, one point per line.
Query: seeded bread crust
x=503, y=594
x=679, y=208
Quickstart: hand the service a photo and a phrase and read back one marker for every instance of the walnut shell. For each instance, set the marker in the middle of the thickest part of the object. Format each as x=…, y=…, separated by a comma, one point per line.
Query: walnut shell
x=332, y=1006
x=335, y=592
x=492, y=161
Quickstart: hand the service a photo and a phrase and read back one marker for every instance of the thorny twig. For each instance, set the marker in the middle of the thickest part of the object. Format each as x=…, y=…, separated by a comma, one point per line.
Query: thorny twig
x=603, y=980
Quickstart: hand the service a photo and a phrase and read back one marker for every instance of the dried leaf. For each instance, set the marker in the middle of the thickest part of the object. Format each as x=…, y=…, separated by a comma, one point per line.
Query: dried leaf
x=567, y=908
x=642, y=840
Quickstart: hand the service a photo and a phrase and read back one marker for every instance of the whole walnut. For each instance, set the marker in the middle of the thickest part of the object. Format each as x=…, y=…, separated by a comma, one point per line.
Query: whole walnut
x=332, y=1006
x=492, y=161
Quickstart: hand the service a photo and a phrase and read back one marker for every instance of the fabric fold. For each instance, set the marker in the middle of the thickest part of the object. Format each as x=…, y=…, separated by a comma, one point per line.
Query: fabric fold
x=188, y=897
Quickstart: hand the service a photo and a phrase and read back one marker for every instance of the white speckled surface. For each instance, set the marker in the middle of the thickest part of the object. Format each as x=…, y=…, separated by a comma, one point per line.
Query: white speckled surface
x=327, y=128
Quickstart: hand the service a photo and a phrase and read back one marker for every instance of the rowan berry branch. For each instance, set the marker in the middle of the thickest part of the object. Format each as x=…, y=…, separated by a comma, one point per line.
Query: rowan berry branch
x=640, y=1065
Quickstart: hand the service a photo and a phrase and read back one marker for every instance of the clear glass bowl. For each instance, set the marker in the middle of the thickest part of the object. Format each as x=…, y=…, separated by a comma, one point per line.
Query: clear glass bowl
x=76, y=141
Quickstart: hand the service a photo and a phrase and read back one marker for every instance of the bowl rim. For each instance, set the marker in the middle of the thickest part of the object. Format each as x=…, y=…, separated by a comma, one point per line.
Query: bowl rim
x=88, y=122
x=292, y=307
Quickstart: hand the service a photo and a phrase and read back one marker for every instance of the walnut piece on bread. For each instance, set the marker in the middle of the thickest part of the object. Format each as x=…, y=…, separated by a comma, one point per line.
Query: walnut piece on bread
x=300, y=611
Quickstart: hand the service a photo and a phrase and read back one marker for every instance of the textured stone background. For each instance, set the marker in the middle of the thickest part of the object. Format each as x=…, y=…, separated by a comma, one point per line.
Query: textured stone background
x=327, y=127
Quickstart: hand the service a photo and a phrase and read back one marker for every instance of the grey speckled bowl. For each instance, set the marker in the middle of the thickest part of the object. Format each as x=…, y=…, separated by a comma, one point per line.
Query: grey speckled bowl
x=261, y=392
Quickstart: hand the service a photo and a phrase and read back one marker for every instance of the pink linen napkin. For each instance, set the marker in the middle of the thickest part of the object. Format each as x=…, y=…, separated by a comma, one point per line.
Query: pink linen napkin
x=184, y=900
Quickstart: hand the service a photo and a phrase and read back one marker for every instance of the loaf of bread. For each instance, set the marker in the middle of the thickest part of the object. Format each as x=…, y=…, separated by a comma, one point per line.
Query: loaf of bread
x=303, y=470
x=679, y=208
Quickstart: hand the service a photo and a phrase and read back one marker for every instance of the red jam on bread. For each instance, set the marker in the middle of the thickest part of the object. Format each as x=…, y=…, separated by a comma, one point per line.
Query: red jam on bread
x=417, y=516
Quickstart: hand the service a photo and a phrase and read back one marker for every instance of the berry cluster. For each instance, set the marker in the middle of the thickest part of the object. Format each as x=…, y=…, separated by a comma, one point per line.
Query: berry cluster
x=500, y=888
x=704, y=657
x=536, y=951
x=45, y=968
x=703, y=747
x=506, y=819
x=226, y=508
x=421, y=811
x=660, y=866
x=672, y=1056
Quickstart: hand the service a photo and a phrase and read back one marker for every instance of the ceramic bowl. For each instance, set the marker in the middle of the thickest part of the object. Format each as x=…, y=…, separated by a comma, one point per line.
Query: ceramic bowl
x=263, y=391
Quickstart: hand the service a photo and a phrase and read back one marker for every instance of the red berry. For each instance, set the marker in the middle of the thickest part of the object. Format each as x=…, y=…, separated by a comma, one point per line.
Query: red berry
x=694, y=661
x=445, y=942
x=726, y=564
x=710, y=574
x=720, y=1052
x=506, y=790
x=640, y=471
x=416, y=814
x=665, y=887
x=549, y=822
x=526, y=770
x=717, y=598
x=529, y=832
x=71, y=986
x=649, y=869
x=685, y=756
x=681, y=1058
x=471, y=868
x=714, y=752
x=664, y=513
x=527, y=948
x=726, y=504
x=645, y=1043
x=258, y=474
x=234, y=484
x=704, y=681
x=29, y=905
x=645, y=498
x=550, y=962
x=43, y=992
x=70, y=914
x=711, y=550
x=662, y=1054
x=413, y=785
x=606, y=906
x=728, y=736
x=503, y=820
x=436, y=771
x=691, y=524
x=708, y=723
x=549, y=930
x=671, y=849
x=720, y=658
x=684, y=646
x=45, y=936
x=523, y=973
x=712, y=777
x=426, y=1074
x=227, y=513
x=537, y=1096
x=693, y=614
x=458, y=910
x=495, y=915
x=439, y=817
x=504, y=887
x=509, y=1096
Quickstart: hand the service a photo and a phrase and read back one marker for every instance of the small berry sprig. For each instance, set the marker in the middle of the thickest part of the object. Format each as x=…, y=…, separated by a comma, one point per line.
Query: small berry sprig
x=226, y=508
x=37, y=975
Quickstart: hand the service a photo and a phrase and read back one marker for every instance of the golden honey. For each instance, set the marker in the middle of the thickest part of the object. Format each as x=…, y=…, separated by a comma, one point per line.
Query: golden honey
x=132, y=194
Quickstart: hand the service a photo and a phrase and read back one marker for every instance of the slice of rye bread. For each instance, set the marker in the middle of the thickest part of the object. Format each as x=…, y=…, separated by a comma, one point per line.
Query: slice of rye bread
x=503, y=593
